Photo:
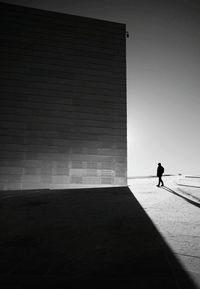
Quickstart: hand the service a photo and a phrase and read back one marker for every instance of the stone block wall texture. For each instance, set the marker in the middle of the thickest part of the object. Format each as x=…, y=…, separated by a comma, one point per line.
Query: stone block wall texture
x=62, y=100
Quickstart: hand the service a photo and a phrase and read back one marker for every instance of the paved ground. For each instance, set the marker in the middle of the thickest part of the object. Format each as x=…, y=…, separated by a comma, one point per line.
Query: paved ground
x=175, y=211
x=53, y=237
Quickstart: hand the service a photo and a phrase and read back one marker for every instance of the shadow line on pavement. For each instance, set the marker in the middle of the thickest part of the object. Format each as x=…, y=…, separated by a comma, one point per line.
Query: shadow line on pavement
x=190, y=186
x=186, y=199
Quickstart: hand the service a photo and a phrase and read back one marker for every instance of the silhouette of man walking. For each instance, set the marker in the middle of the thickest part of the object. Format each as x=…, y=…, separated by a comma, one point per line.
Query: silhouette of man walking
x=160, y=171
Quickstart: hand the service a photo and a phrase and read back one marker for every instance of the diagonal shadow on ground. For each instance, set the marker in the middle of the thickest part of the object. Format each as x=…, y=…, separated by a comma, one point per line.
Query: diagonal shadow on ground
x=190, y=186
x=84, y=234
x=185, y=198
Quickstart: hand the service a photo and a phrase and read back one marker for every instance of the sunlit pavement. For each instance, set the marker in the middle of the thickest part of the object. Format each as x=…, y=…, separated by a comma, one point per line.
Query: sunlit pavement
x=175, y=211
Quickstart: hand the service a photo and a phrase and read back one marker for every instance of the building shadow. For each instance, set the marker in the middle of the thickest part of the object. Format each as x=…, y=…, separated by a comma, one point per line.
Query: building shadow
x=196, y=204
x=103, y=234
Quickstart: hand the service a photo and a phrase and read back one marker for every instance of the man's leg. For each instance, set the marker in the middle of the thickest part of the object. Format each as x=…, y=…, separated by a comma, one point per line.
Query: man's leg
x=158, y=182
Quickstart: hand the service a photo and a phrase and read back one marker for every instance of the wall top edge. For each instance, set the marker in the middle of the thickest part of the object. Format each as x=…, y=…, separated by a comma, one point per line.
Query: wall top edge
x=33, y=10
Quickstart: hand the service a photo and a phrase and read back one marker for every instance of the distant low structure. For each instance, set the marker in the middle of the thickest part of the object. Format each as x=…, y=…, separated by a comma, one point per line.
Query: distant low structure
x=63, y=100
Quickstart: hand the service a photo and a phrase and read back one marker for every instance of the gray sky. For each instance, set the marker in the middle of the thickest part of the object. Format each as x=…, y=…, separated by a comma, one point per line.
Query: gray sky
x=163, y=77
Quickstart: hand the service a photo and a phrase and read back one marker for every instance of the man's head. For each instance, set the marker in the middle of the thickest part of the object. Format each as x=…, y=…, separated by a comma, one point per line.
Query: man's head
x=159, y=164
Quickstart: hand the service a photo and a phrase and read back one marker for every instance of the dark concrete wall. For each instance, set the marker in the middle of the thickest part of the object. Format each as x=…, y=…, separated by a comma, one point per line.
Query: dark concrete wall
x=63, y=100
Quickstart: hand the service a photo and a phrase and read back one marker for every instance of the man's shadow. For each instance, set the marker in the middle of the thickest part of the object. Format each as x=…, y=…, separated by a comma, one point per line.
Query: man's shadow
x=186, y=199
